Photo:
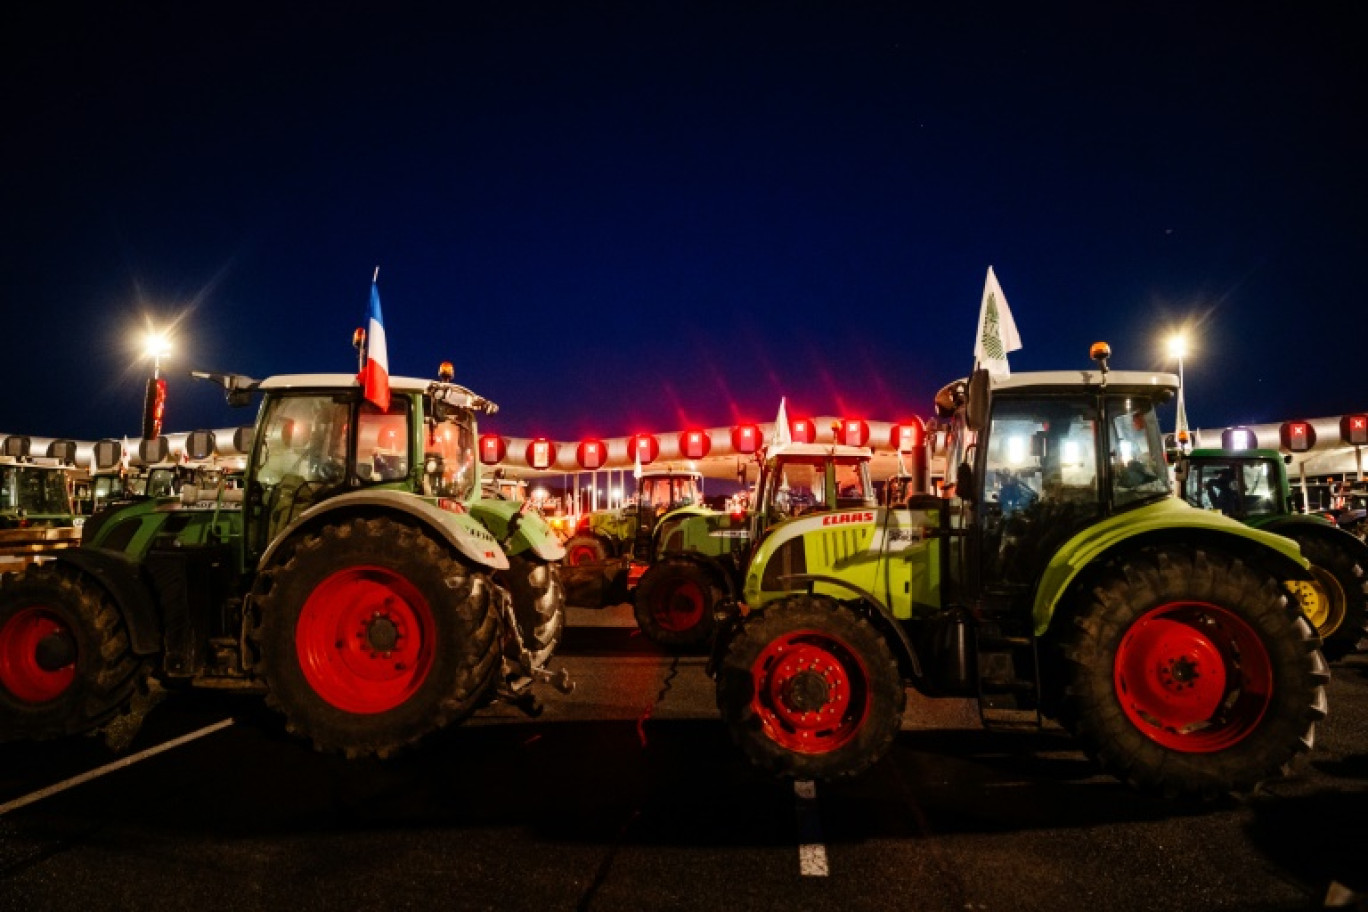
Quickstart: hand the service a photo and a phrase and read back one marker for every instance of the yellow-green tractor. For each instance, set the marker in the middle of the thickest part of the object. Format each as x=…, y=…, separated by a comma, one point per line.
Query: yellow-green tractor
x=1057, y=579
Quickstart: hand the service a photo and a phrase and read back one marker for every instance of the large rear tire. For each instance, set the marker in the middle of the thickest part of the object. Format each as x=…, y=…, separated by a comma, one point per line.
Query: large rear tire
x=810, y=690
x=675, y=601
x=65, y=662
x=1190, y=674
x=1342, y=618
x=371, y=636
x=538, y=603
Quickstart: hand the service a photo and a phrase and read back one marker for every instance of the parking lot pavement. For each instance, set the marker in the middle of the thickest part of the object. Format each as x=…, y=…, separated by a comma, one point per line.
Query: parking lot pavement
x=628, y=795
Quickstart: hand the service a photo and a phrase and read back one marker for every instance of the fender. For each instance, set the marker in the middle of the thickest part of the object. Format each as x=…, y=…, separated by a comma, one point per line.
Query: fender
x=122, y=579
x=890, y=622
x=1300, y=525
x=1157, y=523
x=461, y=531
x=534, y=532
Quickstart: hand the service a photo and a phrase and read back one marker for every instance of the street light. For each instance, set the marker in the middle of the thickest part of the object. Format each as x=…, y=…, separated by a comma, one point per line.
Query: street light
x=1177, y=348
x=156, y=346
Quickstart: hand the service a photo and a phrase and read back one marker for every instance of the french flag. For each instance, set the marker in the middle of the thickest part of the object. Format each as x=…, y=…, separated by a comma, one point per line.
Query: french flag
x=374, y=376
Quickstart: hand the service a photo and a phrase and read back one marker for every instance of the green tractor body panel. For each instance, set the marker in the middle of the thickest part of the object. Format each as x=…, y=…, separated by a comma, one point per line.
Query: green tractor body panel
x=1167, y=516
x=616, y=525
x=533, y=533
x=889, y=554
x=701, y=531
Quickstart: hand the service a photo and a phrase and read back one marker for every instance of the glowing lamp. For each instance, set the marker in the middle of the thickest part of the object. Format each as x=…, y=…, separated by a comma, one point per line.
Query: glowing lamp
x=907, y=437
x=493, y=449
x=645, y=448
x=541, y=453
x=853, y=432
x=1354, y=430
x=1297, y=436
x=694, y=444
x=1238, y=438
x=803, y=430
x=445, y=372
x=591, y=454
x=745, y=439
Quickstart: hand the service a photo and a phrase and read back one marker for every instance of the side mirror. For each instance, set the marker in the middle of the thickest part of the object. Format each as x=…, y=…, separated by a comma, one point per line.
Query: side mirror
x=976, y=412
x=965, y=485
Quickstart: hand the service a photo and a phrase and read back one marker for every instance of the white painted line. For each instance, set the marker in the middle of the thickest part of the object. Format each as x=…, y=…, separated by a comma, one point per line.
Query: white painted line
x=110, y=767
x=812, y=854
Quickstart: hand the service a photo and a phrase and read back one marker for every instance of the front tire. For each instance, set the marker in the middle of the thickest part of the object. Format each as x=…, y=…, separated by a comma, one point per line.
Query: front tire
x=538, y=604
x=810, y=690
x=674, y=603
x=65, y=662
x=584, y=549
x=371, y=636
x=1191, y=675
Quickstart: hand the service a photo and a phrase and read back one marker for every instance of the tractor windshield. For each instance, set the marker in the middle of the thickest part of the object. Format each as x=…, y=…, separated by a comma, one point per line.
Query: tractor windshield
x=1237, y=487
x=798, y=485
x=450, y=457
x=665, y=492
x=32, y=490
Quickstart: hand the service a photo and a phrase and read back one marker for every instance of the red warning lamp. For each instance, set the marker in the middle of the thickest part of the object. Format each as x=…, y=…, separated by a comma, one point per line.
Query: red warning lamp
x=853, y=432
x=1297, y=436
x=802, y=430
x=745, y=439
x=591, y=454
x=493, y=449
x=907, y=437
x=1354, y=430
x=694, y=444
x=1238, y=438
x=645, y=448
x=541, y=453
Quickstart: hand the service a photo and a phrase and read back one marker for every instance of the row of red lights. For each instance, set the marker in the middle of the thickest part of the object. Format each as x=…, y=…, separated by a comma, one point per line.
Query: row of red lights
x=746, y=439
x=1298, y=436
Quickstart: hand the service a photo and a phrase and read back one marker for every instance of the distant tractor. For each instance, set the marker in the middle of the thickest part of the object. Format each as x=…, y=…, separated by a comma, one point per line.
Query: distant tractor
x=37, y=514
x=697, y=557
x=356, y=579
x=606, y=534
x=1058, y=579
x=1252, y=486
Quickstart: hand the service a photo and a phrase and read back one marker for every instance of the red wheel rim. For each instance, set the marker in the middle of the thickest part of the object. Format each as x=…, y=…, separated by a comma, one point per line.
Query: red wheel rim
x=811, y=692
x=682, y=607
x=20, y=672
x=582, y=554
x=364, y=639
x=1193, y=677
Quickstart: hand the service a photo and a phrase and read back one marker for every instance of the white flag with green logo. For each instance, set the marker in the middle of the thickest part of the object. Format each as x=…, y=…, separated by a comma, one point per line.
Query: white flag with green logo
x=997, y=332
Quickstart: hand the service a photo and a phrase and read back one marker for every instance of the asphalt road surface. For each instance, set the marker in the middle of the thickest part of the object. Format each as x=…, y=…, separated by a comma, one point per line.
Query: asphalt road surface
x=627, y=795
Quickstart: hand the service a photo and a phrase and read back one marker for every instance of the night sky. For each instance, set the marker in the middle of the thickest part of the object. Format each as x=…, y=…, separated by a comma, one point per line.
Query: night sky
x=617, y=218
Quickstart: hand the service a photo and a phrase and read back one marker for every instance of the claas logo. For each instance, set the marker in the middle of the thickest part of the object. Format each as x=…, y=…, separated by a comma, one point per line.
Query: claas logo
x=1297, y=436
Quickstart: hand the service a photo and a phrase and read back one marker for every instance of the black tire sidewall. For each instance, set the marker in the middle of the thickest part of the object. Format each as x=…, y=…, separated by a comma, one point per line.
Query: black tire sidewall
x=1138, y=585
x=1322, y=551
x=736, y=687
x=659, y=583
x=459, y=666
x=106, y=674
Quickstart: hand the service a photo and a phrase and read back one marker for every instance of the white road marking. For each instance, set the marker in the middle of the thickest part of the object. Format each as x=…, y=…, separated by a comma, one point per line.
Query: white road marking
x=110, y=767
x=812, y=854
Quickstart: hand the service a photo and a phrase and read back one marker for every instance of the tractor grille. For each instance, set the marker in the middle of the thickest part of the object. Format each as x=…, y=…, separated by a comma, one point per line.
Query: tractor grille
x=839, y=545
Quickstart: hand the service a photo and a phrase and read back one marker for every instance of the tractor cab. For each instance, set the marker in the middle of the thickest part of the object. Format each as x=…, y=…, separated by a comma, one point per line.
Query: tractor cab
x=1242, y=484
x=801, y=478
x=1041, y=456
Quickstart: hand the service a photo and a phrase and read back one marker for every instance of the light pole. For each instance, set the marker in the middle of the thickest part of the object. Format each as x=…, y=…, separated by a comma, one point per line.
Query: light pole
x=1177, y=348
x=156, y=346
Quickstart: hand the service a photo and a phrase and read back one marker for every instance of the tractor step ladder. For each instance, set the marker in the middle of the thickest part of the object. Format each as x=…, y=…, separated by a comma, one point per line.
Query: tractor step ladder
x=1008, y=679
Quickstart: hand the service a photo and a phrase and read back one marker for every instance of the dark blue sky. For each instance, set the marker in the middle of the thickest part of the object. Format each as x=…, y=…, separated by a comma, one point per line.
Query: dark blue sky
x=631, y=217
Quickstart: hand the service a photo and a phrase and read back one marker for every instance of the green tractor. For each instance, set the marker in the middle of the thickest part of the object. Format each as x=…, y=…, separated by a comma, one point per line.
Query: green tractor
x=356, y=578
x=603, y=535
x=37, y=514
x=1252, y=486
x=697, y=557
x=1059, y=579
